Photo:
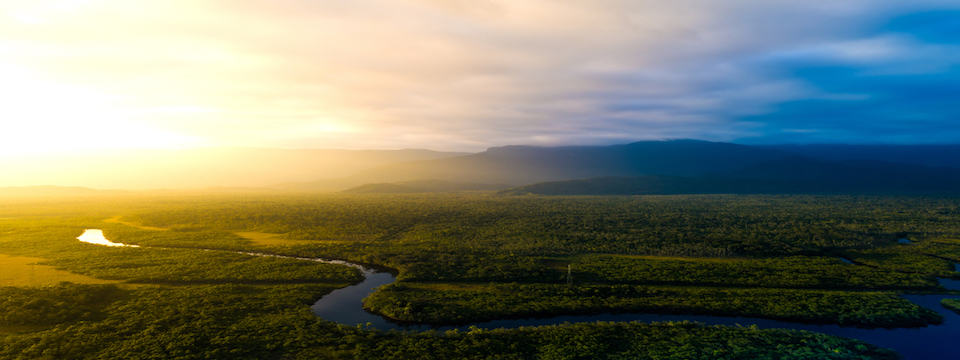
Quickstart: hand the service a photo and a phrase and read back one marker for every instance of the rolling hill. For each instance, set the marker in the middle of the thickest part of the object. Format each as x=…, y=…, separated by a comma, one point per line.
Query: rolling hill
x=791, y=175
x=519, y=165
x=422, y=186
x=671, y=166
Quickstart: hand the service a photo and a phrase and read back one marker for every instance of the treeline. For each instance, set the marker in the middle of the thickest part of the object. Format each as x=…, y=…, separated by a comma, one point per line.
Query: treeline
x=685, y=225
x=788, y=272
x=272, y=321
x=681, y=340
x=475, y=237
x=463, y=303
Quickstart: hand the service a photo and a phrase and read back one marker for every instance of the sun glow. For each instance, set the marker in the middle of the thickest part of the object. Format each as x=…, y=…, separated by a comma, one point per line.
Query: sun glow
x=44, y=116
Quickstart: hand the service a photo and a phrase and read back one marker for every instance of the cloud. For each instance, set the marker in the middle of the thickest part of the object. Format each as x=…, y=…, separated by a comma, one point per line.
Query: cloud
x=471, y=74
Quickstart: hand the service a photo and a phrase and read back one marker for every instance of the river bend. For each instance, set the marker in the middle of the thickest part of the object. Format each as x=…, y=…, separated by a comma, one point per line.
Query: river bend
x=345, y=306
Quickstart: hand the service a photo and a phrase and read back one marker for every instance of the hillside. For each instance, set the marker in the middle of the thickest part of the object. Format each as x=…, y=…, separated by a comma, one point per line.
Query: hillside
x=672, y=166
x=944, y=155
x=792, y=175
x=519, y=165
x=422, y=186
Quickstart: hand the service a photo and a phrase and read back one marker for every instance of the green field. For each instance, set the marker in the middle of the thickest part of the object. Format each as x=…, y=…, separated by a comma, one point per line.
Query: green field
x=464, y=257
x=24, y=271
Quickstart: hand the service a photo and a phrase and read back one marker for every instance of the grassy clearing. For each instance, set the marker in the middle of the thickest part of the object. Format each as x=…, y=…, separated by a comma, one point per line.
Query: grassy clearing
x=269, y=239
x=118, y=220
x=26, y=271
x=54, y=239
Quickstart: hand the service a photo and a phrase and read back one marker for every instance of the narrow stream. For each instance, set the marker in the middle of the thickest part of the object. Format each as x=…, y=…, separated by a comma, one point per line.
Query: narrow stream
x=345, y=306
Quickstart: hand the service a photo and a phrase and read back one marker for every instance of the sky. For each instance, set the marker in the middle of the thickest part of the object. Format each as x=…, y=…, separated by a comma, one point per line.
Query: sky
x=467, y=75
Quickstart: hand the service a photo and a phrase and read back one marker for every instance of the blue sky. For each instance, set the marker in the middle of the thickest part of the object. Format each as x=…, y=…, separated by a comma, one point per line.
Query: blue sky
x=470, y=74
x=903, y=88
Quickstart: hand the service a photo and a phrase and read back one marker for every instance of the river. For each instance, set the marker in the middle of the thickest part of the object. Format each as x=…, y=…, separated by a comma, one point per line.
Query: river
x=345, y=306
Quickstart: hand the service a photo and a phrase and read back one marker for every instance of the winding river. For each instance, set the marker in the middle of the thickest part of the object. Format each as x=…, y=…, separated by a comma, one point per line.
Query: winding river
x=345, y=306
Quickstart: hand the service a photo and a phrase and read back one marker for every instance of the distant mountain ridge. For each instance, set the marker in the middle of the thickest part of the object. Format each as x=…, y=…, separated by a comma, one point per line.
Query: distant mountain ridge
x=790, y=175
x=519, y=165
x=422, y=186
x=668, y=166
x=681, y=166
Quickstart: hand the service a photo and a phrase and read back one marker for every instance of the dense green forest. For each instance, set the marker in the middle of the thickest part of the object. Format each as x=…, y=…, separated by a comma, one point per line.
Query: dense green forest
x=260, y=321
x=465, y=303
x=465, y=257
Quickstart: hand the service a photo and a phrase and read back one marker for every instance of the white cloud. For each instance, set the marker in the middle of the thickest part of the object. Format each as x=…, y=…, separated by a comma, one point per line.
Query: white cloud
x=442, y=74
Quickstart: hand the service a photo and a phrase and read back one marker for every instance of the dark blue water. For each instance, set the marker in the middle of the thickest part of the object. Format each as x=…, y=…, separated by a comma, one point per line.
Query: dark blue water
x=345, y=306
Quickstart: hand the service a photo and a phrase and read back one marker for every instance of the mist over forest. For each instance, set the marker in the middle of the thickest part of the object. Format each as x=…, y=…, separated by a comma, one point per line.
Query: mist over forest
x=680, y=166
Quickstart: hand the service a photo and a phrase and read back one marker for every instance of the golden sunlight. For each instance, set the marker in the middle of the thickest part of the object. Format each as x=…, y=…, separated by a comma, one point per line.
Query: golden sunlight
x=45, y=116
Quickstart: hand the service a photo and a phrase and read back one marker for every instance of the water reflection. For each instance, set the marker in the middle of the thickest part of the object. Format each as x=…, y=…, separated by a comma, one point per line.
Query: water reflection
x=95, y=236
x=345, y=305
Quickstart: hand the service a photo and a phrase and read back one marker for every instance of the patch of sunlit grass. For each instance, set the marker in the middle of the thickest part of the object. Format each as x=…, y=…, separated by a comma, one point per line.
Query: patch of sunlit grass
x=25, y=271
x=271, y=239
x=117, y=220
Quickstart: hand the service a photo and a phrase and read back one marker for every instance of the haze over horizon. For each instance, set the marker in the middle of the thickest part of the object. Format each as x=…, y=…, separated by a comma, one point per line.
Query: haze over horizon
x=479, y=179
x=468, y=75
